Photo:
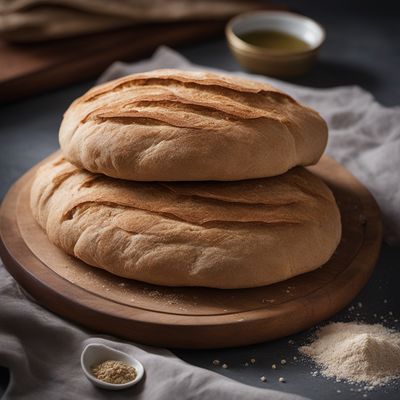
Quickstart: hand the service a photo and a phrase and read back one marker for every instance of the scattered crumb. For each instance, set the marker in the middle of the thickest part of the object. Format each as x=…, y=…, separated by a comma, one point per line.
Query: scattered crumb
x=273, y=366
x=225, y=366
x=385, y=301
x=267, y=301
x=294, y=358
x=359, y=304
x=282, y=380
x=216, y=362
x=263, y=379
x=283, y=361
x=338, y=391
x=291, y=341
x=253, y=360
x=246, y=364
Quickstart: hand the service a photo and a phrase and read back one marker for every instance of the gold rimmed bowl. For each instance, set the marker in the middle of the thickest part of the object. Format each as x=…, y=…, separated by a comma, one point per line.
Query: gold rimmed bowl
x=291, y=44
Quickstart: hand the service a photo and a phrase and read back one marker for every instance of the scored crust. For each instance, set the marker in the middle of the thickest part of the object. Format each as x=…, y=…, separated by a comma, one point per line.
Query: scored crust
x=214, y=234
x=171, y=125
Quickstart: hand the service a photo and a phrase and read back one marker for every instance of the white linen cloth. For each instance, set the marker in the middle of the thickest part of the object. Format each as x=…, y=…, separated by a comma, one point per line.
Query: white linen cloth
x=43, y=351
x=364, y=136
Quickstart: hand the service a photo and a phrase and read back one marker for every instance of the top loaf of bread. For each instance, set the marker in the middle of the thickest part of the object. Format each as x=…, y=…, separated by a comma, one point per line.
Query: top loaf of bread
x=173, y=125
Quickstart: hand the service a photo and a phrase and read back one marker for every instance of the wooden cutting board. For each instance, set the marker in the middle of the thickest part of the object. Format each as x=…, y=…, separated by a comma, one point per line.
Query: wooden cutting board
x=27, y=69
x=193, y=317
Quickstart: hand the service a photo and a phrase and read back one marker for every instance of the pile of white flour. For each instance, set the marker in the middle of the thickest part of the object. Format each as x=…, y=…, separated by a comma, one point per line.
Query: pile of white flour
x=357, y=353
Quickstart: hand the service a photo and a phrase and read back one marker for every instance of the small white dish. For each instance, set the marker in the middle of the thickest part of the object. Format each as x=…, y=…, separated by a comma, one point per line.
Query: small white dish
x=96, y=353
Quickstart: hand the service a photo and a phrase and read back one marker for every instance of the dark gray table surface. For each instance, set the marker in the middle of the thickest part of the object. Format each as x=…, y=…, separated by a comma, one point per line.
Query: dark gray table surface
x=363, y=48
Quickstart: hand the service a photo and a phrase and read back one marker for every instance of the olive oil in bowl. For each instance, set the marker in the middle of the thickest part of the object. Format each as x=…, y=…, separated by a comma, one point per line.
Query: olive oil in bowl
x=279, y=42
x=275, y=43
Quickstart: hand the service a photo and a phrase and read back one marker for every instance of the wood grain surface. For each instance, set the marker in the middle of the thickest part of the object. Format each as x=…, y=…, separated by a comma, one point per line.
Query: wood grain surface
x=193, y=317
x=27, y=69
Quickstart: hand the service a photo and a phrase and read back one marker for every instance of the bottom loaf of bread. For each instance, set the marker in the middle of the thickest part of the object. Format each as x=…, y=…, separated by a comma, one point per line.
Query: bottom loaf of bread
x=215, y=234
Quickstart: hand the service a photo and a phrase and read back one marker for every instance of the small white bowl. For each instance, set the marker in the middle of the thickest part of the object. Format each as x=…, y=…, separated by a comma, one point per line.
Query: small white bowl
x=96, y=353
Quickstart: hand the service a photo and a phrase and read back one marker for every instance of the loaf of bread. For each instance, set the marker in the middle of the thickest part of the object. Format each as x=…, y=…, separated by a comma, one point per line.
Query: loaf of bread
x=215, y=234
x=171, y=125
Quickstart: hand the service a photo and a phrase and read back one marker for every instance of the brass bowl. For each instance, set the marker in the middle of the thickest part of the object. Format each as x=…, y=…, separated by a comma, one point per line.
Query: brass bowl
x=269, y=62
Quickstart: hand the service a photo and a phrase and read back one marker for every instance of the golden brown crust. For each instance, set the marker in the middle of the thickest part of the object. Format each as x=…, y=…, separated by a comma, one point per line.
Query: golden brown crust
x=171, y=125
x=216, y=234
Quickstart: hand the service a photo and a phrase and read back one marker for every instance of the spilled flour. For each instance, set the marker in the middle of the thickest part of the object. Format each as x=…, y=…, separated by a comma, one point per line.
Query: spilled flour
x=357, y=353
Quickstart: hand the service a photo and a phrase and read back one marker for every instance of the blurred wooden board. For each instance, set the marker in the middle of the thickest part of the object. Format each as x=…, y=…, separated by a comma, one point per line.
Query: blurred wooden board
x=193, y=317
x=28, y=69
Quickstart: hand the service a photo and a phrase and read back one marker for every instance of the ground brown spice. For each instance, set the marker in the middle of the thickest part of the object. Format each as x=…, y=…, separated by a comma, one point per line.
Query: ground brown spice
x=116, y=372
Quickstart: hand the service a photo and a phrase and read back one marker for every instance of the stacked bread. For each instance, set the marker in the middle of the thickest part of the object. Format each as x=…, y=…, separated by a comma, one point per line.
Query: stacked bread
x=189, y=179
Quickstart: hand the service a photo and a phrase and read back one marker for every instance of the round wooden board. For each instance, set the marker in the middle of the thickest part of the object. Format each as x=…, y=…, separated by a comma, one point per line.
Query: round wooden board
x=193, y=317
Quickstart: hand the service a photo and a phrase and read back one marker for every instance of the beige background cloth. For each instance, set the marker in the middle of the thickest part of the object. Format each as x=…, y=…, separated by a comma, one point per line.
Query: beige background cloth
x=364, y=136
x=36, y=20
